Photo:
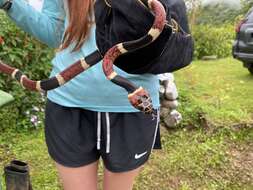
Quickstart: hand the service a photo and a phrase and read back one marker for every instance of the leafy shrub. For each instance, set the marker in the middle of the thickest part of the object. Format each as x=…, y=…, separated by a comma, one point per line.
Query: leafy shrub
x=23, y=52
x=211, y=40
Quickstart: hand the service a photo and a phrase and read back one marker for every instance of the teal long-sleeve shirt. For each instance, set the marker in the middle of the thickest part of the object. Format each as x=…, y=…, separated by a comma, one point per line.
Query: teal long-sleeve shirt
x=89, y=90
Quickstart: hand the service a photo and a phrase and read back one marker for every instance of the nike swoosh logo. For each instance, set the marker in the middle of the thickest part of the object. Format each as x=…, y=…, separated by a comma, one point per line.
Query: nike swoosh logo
x=138, y=156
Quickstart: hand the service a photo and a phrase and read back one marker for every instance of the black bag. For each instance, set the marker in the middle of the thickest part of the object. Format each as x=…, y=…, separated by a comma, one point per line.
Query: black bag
x=125, y=20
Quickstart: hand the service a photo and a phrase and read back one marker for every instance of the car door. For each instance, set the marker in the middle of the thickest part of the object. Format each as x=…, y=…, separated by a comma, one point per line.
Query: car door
x=245, y=34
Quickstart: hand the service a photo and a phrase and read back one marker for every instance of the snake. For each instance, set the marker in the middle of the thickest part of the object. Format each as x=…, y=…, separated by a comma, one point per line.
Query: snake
x=138, y=97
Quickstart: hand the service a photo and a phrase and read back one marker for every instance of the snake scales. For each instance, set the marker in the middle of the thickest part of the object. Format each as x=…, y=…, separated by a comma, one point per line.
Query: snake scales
x=137, y=96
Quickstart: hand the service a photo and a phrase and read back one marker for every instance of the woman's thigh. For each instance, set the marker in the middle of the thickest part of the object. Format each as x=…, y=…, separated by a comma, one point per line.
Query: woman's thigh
x=81, y=178
x=71, y=140
x=131, y=140
x=122, y=181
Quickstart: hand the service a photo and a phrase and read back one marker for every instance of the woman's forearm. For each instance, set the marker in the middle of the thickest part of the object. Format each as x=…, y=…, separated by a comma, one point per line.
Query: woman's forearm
x=47, y=25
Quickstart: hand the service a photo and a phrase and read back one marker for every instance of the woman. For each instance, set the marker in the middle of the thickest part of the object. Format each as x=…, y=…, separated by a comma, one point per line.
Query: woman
x=89, y=117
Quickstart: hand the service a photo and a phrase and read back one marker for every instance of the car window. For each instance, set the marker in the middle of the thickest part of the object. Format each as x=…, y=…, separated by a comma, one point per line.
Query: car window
x=249, y=15
x=249, y=11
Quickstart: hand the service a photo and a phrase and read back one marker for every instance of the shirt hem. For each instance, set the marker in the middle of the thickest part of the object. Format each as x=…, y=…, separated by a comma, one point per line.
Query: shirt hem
x=116, y=109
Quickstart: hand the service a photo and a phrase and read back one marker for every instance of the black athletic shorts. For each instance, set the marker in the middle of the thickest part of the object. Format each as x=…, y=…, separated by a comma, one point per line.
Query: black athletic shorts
x=76, y=137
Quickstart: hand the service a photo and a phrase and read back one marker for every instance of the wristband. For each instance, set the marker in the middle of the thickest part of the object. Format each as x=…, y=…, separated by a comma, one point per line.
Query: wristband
x=7, y=5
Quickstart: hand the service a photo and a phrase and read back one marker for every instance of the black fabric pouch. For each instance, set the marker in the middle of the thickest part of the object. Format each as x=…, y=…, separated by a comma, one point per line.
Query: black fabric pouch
x=129, y=20
x=176, y=54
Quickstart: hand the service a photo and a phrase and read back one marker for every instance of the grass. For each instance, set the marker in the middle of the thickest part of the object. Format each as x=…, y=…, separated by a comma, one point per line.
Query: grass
x=212, y=152
x=222, y=89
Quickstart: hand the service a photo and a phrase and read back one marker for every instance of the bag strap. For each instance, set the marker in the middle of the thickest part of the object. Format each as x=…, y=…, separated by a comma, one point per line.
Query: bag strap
x=108, y=3
x=173, y=24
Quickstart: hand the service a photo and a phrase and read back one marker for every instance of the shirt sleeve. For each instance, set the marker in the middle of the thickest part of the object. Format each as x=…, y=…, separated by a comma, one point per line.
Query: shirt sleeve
x=47, y=25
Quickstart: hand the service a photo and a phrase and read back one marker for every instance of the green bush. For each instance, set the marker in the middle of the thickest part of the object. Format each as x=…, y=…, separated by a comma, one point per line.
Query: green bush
x=30, y=56
x=211, y=40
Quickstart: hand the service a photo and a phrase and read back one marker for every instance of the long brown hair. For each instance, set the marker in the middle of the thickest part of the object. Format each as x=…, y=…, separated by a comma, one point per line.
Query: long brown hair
x=80, y=20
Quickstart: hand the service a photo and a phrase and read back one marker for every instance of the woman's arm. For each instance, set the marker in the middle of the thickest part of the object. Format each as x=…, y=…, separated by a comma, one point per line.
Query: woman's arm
x=47, y=25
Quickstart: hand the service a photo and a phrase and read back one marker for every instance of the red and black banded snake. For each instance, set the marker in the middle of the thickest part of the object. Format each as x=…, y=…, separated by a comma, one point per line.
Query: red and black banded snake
x=137, y=96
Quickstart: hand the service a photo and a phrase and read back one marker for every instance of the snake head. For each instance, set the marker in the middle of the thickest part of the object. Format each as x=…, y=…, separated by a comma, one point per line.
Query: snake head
x=141, y=100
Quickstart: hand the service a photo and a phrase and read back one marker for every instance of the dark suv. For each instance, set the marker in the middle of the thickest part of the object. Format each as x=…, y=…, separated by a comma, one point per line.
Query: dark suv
x=243, y=45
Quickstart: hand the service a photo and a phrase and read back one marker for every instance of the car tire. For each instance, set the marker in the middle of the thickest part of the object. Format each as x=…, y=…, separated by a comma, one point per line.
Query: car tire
x=250, y=68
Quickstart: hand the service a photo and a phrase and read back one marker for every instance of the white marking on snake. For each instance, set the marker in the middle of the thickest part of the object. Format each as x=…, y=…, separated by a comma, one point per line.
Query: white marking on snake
x=121, y=48
x=14, y=73
x=135, y=92
x=22, y=80
x=60, y=80
x=154, y=32
x=112, y=75
x=84, y=64
x=150, y=4
x=38, y=86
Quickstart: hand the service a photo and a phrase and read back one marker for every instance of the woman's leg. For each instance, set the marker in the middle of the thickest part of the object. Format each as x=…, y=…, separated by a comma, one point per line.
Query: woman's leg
x=82, y=178
x=131, y=139
x=122, y=181
x=71, y=140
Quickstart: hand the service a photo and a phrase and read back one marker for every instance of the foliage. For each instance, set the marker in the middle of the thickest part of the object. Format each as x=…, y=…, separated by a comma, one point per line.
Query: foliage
x=210, y=40
x=213, y=13
x=194, y=10
x=212, y=27
x=217, y=14
x=22, y=51
x=246, y=5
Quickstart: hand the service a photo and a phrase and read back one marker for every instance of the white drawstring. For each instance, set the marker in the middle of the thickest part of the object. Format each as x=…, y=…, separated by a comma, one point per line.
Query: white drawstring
x=99, y=131
x=108, y=134
x=156, y=129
